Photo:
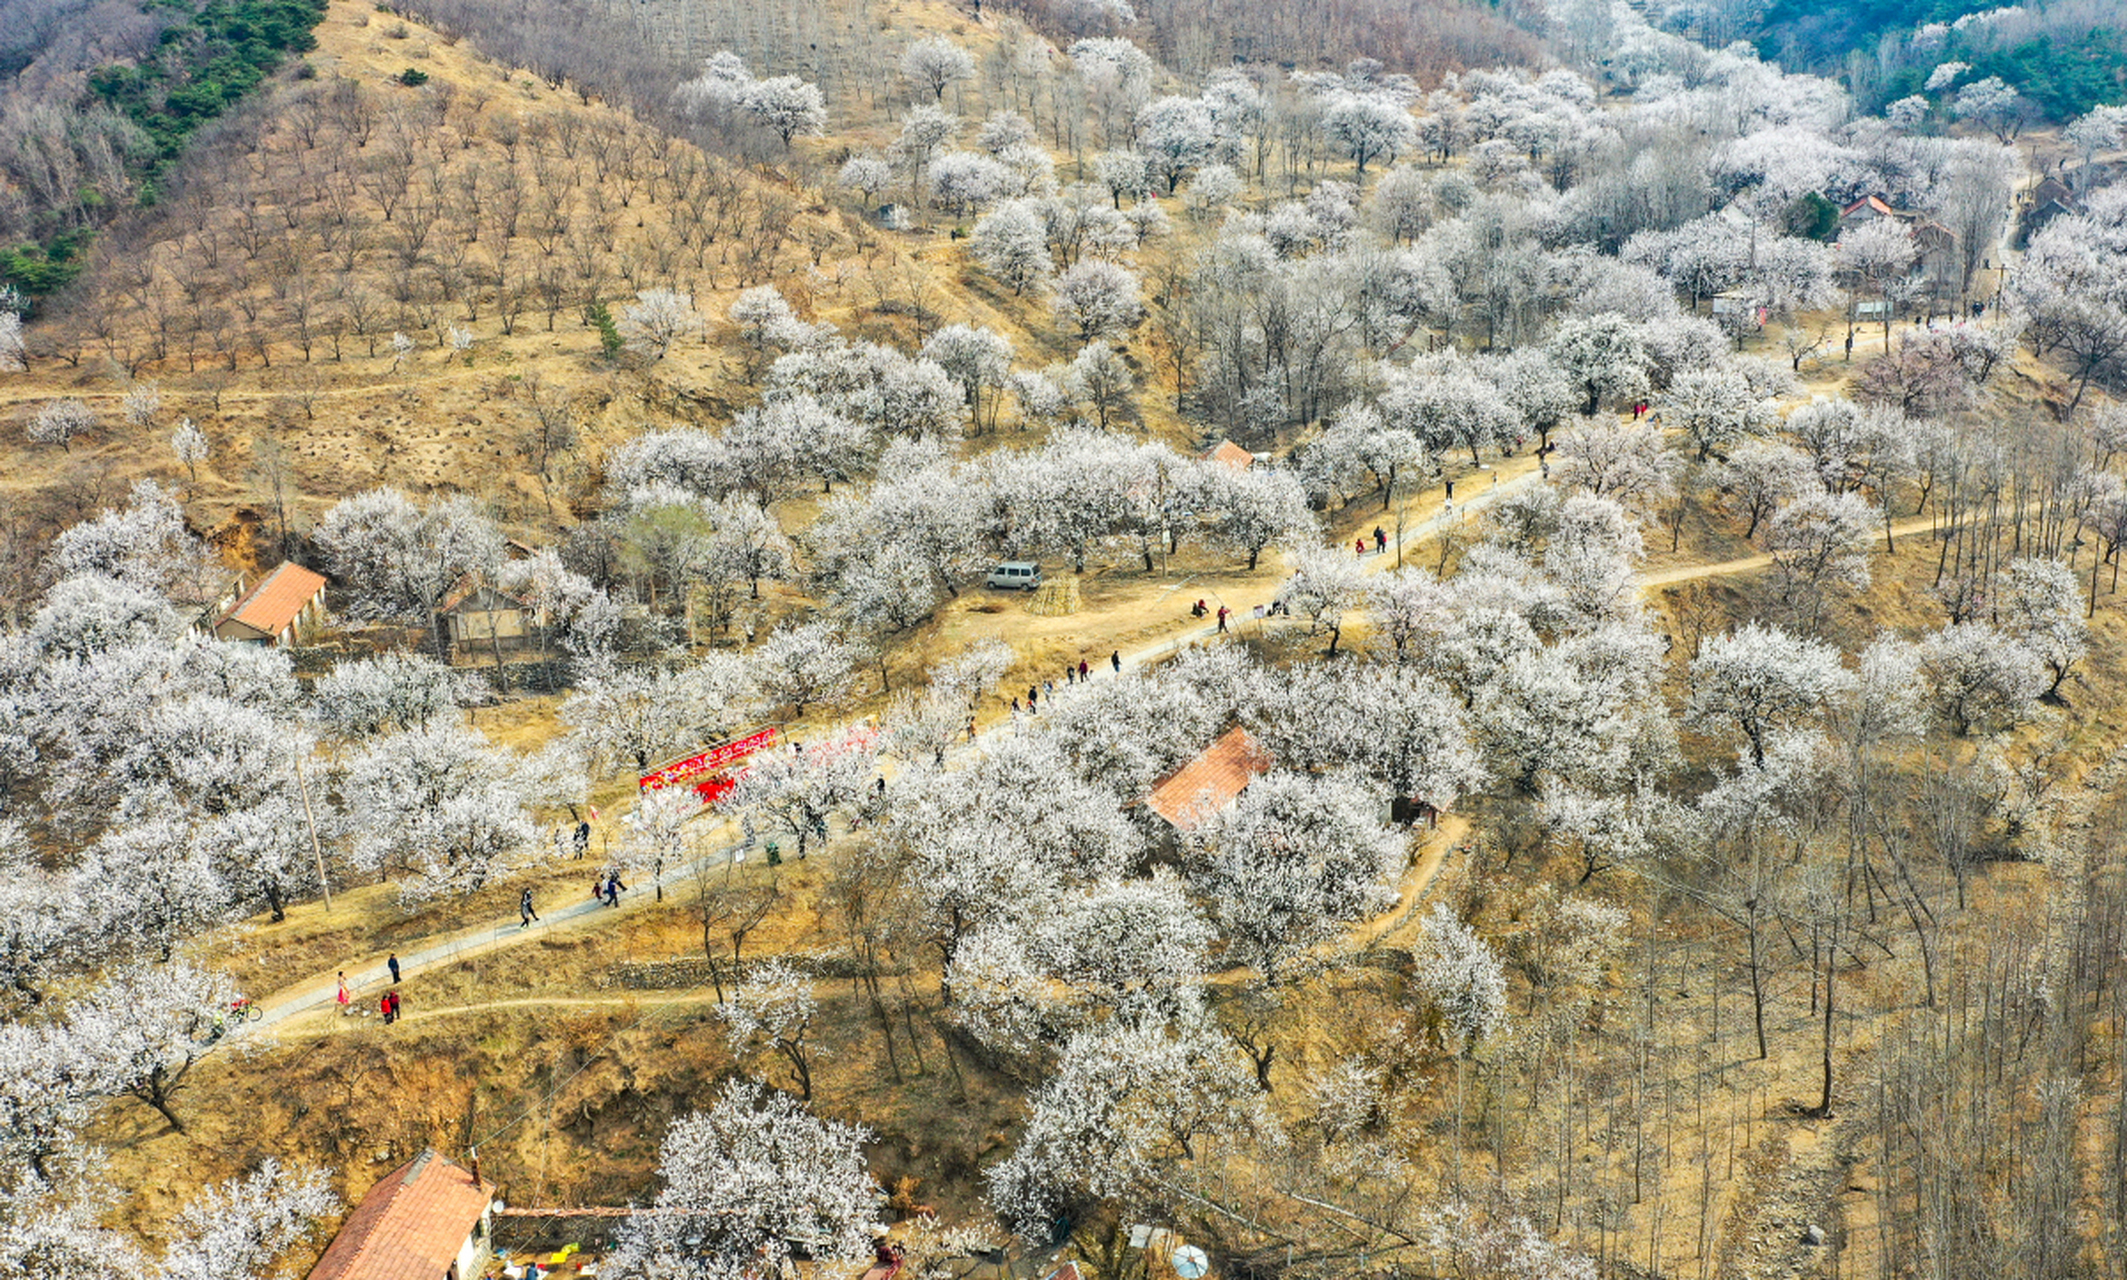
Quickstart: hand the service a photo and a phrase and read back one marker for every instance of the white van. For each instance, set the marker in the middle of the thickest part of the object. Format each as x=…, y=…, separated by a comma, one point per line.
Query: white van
x=1014, y=575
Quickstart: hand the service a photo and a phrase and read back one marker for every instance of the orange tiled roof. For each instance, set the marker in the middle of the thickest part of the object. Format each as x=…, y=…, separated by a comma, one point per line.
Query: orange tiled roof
x=1068, y=1271
x=1232, y=455
x=1210, y=782
x=271, y=605
x=409, y=1227
x=1876, y=203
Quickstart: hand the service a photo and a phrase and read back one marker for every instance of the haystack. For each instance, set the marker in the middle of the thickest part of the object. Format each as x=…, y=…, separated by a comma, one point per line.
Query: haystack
x=1056, y=597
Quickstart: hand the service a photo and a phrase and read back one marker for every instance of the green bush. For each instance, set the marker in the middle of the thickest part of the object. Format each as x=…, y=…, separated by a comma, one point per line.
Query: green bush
x=39, y=269
x=600, y=318
x=1813, y=216
x=412, y=78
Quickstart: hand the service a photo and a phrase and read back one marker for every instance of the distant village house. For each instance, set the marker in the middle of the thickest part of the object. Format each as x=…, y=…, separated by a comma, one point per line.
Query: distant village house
x=2046, y=201
x=1938, y=266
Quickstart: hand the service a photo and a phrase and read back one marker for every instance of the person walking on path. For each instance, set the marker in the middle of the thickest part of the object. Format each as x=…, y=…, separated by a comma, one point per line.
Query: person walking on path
x=1081, y=670
x=392, y=999
x=384, y=1007
x=1359, y=547
x=1223, y=611
x=525, y=914
x=393, y=964
x=1380, y=539
x=1115, y=660
x=342, y=996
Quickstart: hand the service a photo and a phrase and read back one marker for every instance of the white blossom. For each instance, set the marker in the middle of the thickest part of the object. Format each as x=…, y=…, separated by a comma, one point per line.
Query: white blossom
x=1760, y=680
x=141, y=402
x=14, y=353
x=1011, y=243
x=60, y=422
x=657, y=319
x=189, y=445
x=1460, y=975
x=1127, y=1099
x=1291, y=864
x=1098, y=299
x=241, y=1229
x=1979, y=678
x=2042, y=608
x=743, y=1179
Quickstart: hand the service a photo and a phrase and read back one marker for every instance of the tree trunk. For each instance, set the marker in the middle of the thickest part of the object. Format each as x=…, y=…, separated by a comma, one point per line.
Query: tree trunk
x=1757, y=983
x=1831, y=975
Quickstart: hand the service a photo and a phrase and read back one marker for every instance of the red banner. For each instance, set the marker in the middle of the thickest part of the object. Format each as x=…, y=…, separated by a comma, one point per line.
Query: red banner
x=709, y=766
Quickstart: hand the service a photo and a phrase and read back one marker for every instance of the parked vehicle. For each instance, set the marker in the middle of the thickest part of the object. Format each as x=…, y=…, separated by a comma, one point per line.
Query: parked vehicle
x=1014, y=575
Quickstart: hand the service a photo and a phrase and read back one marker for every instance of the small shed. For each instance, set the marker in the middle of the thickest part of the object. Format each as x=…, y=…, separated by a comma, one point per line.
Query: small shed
x=478, y=613
x=428, y=1219
x=1232, y=455
x=1741, y=303
x=285, y=608
x=1208, y=784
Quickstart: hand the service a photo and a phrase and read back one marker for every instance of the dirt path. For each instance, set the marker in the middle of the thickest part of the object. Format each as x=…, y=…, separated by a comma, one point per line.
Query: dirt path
x=653, y=1002
x=368, y=979
x=1444, y=515
x=1450, y=836
x=1751, y=564
x=384, y=384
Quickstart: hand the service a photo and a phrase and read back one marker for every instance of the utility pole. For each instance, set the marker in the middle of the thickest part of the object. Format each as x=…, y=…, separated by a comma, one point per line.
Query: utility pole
x=310, y=819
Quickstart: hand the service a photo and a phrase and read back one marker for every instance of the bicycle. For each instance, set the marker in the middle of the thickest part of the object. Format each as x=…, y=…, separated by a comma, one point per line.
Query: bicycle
x=241, y=1010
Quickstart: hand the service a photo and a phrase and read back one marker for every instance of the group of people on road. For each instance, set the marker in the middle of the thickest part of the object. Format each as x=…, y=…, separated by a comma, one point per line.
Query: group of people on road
x=1200, y=609
x=1074, y=673
x=387, y=1004
x=1381, y=537
x=607, y=889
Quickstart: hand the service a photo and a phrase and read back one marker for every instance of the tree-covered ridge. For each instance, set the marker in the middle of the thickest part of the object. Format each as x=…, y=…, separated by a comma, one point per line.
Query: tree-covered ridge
x=199, y=68
x=1815, y=30
x=2065, y=58
x=205, y=65
x=2064, y=77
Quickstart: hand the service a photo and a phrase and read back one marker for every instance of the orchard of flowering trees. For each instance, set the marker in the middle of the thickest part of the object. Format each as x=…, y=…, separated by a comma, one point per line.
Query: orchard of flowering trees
x=1719, y=768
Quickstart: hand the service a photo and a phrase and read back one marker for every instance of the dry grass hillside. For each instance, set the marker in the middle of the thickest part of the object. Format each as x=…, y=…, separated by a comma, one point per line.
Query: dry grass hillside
x=477, y=215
